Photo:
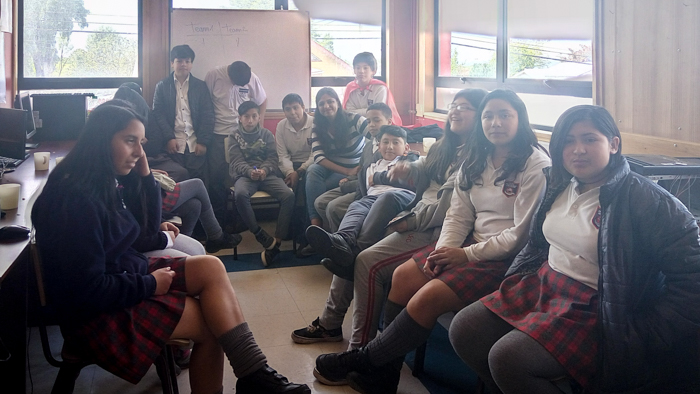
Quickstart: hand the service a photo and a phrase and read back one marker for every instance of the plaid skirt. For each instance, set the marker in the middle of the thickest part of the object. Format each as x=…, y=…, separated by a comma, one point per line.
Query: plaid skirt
x=170, y=198
x=469, y=281
x=558, y=312
x=127, y=342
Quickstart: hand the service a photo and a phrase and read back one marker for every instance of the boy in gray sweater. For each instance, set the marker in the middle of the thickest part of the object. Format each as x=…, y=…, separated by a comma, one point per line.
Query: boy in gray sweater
x=255, y=166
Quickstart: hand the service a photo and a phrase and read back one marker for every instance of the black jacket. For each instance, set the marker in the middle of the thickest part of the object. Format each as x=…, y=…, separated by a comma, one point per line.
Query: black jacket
x=201, y=111
x=648, y=286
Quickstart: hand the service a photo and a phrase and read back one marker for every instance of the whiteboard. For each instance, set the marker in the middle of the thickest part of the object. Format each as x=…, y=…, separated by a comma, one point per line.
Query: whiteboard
x=275, y=44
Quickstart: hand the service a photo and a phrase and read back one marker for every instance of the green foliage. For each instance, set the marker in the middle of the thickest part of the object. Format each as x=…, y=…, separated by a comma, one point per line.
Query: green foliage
x=325, y=41
x=523, y=55
x=45, y=22
x=107, y=54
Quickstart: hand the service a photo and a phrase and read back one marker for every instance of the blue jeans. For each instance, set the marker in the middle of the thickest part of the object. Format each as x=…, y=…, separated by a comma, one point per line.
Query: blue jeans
x=364, y=224
x=319, y=179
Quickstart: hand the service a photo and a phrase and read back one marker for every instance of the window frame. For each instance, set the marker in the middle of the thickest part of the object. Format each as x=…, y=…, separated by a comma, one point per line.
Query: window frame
x=52, y=83
x=331, y=81
x=553, y=87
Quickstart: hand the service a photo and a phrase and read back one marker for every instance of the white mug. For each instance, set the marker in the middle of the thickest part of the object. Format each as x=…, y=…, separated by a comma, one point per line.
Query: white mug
x=41, y=161
x=9, y=195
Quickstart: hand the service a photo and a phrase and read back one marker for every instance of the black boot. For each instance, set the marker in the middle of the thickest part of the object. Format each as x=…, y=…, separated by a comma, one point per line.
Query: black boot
x=381, y=380
x=330, y=245
x=267, y=380
x=332, y=369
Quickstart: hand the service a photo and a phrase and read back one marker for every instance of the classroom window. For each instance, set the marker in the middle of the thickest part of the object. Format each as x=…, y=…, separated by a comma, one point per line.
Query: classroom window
x=78, y=44
x=339, y=31
x=535, y=47
x=226, y=4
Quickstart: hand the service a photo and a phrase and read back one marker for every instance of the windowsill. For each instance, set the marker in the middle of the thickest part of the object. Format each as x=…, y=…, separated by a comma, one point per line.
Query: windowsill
x=435, y=116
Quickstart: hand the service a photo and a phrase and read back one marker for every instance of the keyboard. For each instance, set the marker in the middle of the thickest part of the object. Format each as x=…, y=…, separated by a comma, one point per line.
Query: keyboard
x=11, y=163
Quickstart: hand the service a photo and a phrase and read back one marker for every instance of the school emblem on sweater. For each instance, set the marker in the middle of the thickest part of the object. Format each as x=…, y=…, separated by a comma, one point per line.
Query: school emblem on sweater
x=370, y=102
x=597, y=218
x=510, y=188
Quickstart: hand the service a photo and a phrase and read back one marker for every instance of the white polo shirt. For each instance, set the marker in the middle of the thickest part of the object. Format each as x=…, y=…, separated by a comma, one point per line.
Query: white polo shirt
x=571, y=228
x=226, y=97
x=294, y=146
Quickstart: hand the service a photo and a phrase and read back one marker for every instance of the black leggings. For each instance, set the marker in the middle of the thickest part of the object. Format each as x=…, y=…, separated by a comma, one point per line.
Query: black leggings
x=506, y=359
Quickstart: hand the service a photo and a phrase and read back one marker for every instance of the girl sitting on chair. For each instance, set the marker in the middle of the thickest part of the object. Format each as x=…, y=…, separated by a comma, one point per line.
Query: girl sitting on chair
x=116, y=303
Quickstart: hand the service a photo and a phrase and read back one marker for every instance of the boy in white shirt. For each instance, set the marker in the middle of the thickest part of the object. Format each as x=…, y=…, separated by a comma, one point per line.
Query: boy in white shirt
x=365, y=90
x=293, y=138
x=364, y=223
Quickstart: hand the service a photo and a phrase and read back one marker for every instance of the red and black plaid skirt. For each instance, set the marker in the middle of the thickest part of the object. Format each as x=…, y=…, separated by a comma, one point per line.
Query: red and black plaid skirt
x=469, y=281
x=560, y=313
x=127, y=342
x=170, y=198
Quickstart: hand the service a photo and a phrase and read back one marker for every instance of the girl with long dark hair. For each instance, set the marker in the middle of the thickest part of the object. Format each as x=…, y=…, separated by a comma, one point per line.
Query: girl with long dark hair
x=496, y=191
x=112, y=299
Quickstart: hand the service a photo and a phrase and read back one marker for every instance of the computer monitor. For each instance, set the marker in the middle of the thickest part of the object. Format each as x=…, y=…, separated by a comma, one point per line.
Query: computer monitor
x=13, y=133
x=23, y=101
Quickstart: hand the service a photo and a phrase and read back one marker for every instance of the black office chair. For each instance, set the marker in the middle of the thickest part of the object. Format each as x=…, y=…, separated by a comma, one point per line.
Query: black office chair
x=74, y=361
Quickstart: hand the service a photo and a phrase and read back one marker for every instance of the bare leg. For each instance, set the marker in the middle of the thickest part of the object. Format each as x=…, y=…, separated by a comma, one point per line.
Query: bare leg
x=216, y=312
x=406, y=281
x=431, y=301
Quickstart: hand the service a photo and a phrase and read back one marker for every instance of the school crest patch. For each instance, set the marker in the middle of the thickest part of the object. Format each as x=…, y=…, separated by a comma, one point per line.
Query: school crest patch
x=370, y=102
x=597, y=218
x=510, y=188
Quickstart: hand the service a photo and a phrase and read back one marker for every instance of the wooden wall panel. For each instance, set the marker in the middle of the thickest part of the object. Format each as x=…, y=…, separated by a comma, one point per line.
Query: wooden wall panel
x=401, y=56
x=156, y=45
x=646, y=75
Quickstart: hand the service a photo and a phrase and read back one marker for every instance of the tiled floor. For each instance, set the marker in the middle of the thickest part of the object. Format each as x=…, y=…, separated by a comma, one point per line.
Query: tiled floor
x=274, y=301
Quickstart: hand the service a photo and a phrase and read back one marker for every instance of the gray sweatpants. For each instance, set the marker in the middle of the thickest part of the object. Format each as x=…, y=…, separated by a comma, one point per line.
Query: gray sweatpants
x=373, y=270
x=331, y=206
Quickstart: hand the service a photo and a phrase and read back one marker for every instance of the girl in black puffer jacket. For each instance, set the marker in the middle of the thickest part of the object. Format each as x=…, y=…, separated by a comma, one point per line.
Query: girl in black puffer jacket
x=606, y=292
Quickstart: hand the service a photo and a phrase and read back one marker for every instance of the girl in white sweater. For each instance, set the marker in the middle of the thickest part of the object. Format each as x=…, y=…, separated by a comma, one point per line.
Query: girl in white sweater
x=498, y=188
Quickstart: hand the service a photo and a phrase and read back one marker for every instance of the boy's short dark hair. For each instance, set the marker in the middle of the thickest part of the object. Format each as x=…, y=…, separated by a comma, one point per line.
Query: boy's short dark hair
x=247, y=106
x=239, y=73
x=181, y=52
x=365, y=57
x=394, y=130
x=383, y=108
x=292, y=98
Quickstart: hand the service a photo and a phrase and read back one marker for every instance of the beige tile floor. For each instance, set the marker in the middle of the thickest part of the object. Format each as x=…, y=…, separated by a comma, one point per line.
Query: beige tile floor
x=274, y=301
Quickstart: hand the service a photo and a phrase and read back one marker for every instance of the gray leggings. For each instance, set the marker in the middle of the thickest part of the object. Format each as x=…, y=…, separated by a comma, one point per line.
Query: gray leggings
x=192, y=205
x=506, y=359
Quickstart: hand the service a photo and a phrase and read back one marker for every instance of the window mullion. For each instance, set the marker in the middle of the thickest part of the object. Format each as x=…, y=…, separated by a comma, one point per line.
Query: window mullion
x=502, y=43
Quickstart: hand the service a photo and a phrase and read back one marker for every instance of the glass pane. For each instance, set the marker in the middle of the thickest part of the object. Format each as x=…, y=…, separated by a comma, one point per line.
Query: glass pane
x=542, y=109
x=335, y=43
x=550, y=41
x=226, y=4
x=467, y=38
x=80, y=38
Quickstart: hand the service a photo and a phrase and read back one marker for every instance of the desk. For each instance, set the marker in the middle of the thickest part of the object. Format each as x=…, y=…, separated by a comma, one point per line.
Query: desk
x=14, y=268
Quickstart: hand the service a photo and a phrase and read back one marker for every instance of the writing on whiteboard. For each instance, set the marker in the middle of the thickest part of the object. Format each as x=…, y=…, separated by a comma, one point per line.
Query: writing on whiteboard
x=216, y=29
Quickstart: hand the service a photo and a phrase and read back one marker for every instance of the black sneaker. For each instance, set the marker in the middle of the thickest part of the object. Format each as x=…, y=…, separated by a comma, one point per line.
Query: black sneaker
x=382, y=380
x=315, y=332
x=330, y=245
x=267, y=380
x=347, y=273
x=227, y=241
x=332, y=369
x=265, y=239
x=268, y=256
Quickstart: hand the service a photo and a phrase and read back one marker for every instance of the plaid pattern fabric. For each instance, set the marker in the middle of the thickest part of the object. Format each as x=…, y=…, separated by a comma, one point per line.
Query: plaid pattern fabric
x=558, y=312
x=170, y=198
x=469, y=281
x=127, y=341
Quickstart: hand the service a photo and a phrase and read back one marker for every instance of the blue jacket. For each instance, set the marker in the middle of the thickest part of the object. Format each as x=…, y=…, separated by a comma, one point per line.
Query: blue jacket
x=89, y=260
x=648, y=286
